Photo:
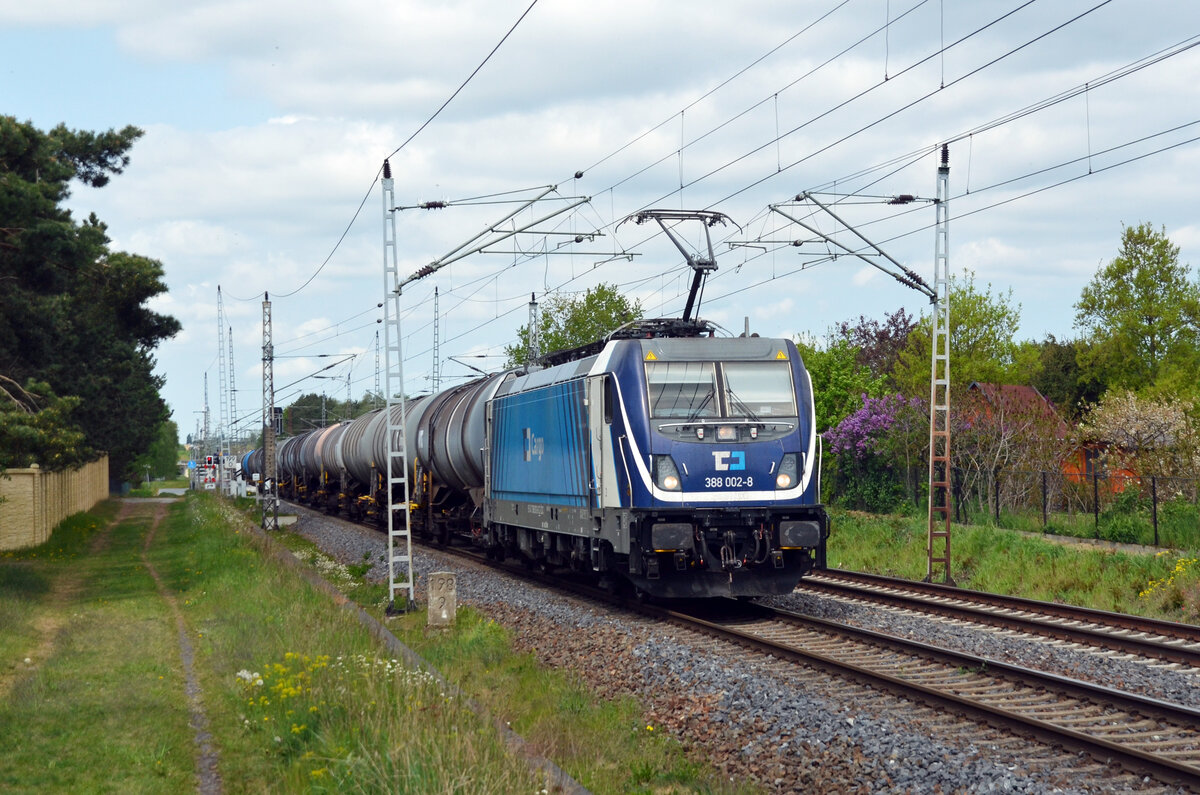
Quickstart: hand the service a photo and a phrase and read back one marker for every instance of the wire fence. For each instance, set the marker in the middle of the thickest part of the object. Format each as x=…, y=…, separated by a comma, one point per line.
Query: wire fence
x=1153, y=510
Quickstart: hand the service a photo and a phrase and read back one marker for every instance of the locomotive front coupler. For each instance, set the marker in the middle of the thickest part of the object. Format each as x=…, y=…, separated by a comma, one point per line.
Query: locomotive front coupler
x=729, y=560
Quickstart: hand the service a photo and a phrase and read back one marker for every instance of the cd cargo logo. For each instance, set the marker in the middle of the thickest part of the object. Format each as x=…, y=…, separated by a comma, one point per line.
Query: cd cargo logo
x=729, y=460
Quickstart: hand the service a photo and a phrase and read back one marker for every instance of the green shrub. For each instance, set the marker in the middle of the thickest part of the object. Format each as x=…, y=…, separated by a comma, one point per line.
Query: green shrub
x=1127, y=519
x=867, y=484
x=1179, y=523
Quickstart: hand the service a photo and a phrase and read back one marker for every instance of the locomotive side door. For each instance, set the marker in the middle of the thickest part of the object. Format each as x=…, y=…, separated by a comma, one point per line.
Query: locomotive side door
x=601, y=405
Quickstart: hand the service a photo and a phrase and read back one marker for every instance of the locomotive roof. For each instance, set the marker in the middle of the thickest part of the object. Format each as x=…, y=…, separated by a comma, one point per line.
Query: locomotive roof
x=686, y=349
x=714, y=348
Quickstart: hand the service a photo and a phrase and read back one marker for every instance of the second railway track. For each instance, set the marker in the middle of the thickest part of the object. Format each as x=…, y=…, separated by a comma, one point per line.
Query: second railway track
x=1144, y=638
x=1143, y=735
x=1140, y=733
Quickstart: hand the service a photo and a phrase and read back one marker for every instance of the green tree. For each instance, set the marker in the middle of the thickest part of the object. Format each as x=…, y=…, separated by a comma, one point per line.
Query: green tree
x=567, y=321
x=879, y=343
x=72, y=313
x=36, y=427
x=1141, y=314
x=839, y=379
x=311, y=410
x=1063, y=382
x=162, y=459
x=982, y=342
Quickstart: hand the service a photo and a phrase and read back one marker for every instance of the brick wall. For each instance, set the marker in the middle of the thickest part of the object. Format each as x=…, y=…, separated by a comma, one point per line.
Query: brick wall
x=35, y=501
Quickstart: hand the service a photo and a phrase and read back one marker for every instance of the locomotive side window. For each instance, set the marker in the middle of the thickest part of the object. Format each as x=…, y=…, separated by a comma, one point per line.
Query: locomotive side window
x=682, y=390
x=759, y=389
x=608, y=401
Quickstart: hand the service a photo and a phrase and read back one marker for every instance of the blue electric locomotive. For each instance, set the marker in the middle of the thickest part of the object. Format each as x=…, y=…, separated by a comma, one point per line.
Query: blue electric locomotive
x=680, y=462
x=686, y=465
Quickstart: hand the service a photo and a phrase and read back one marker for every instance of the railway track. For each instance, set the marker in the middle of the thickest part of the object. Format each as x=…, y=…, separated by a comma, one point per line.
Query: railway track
x=1141, y=734
x=1145, y=638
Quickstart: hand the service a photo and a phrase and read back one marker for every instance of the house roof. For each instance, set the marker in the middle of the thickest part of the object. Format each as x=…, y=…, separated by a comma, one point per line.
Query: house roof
x=1021, y=398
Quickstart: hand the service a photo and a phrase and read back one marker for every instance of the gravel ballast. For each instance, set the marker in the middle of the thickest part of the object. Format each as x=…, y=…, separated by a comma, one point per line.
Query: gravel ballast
x=790, y=729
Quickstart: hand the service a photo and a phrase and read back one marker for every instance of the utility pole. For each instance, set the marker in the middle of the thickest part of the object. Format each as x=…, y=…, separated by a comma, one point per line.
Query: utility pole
x=395, y=465
x=270, y=489
x=940, y=473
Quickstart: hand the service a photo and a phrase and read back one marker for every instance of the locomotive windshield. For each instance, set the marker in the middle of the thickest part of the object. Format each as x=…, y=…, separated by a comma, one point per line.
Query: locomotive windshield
x=688, y=390
x=684, y=390
x=759, y=389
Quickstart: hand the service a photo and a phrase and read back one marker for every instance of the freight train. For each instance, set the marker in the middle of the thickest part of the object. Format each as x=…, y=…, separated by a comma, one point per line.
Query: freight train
x=682, y=463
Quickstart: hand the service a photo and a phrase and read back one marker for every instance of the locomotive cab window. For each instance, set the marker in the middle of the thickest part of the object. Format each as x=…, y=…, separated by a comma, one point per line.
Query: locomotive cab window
x=608, y=401
x=759, y=389
x=682, y=390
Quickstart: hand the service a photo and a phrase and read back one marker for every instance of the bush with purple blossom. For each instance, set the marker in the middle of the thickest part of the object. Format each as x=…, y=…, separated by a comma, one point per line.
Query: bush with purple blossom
x=876, y=450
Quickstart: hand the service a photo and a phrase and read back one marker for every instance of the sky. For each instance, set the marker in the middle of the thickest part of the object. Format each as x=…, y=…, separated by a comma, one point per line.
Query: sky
x=266, y=125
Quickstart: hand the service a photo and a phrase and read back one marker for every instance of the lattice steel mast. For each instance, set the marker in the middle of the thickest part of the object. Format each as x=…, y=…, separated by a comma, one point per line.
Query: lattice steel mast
x=436, y=377
x=395, y=469
x=225, y=419
x=206, y=448
x=378, y=391
x=940, y=473
x=270, y=489
x=233, y=421
x=938, y=546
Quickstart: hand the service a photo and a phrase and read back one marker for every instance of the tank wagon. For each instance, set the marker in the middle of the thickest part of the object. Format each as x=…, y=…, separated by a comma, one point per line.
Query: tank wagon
x=685, y=465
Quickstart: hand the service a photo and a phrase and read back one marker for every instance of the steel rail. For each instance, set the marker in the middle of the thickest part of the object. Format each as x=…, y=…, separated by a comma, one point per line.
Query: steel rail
x=1155, y=639
x=1103, y=749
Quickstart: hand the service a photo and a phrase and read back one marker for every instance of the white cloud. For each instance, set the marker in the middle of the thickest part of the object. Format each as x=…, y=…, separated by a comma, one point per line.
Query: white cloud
x=325, y=92
x=864, y=276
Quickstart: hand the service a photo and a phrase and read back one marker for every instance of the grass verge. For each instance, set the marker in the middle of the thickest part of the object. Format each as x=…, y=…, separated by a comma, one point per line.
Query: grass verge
x=301, y=699
x=297, y=697
x=297, y=694
x=1162, y=585
x=606, y=745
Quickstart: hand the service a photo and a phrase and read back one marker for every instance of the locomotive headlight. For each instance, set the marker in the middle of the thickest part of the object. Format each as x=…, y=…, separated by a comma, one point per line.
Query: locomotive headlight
x=727, y=433
x=666, y=476
x=787, y=472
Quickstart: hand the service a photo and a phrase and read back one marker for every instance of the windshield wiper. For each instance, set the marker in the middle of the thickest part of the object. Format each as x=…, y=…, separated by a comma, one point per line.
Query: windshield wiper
x=735, y=401
x=695, y=414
